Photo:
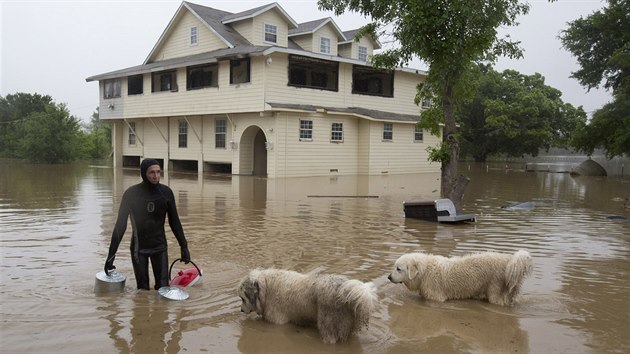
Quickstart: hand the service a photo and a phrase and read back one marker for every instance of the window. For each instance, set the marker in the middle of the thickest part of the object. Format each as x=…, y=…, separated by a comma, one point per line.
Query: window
x=388, y=131
x=324, y=45
x=132, y=133
x=135, y=85
x=111, y=89
x=418, y=135
x=426, y=103
x=271, y=33
x=239, y=71
x=363, y=53
x=201, y=76
x=164, y=81
x=313, y=73
x=183, y=133
x=194, y=39
x=306, y=129
x=337, y=133
x=369, y=81
x=220, y=132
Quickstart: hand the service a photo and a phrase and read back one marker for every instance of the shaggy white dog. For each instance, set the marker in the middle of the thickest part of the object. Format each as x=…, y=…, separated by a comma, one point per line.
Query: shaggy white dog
x=496, y=277
x=338, y=306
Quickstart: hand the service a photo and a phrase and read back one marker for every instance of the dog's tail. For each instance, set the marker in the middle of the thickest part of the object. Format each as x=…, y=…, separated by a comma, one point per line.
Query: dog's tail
x=519, y=267
x=361, y=297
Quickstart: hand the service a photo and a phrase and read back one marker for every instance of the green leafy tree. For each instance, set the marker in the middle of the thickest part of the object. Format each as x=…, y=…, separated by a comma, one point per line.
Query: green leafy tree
x=601, y=44
x=449, y=36
x=51, y=136
x=14, y=108
x=97, y=139
x=515, y=114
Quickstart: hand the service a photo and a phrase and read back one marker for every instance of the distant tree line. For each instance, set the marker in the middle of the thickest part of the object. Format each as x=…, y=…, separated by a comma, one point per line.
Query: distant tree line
x=35, y=128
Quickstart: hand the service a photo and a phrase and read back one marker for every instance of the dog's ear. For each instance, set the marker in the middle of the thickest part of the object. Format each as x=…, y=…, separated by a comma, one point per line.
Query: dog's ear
x=257, y=301
x=252, y=293
x=412, y=270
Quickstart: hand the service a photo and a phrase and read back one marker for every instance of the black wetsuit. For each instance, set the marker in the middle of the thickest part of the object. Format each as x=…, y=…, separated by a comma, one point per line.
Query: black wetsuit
x=148, y=204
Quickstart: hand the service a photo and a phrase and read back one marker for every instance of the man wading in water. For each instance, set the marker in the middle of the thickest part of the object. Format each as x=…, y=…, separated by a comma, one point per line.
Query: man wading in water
x=148, y=203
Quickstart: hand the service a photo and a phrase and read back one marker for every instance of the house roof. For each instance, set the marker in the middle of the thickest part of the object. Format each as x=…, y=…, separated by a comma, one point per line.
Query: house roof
x=208, y=17
x=349, y=35
x=370, y=114
x=203, y=58
x=237, y=46
x=227, y=53
x=311, y=27
x=231, y=18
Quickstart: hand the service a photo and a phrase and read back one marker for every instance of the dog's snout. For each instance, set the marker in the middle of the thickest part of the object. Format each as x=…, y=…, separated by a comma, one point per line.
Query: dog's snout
x=389, y=277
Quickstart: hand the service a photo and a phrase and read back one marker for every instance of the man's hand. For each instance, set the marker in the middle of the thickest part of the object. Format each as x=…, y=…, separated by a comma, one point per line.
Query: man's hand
x=185, y=255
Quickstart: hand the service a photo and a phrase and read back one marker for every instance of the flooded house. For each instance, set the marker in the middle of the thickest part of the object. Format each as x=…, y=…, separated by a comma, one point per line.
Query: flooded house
x=256, y=93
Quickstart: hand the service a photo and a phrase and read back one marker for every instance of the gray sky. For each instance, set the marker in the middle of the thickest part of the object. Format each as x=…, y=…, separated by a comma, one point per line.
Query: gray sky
x=50, y=47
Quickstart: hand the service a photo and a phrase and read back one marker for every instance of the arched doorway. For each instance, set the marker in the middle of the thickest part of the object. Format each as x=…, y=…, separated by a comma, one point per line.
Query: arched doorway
x=253, y=152
x=260, y=154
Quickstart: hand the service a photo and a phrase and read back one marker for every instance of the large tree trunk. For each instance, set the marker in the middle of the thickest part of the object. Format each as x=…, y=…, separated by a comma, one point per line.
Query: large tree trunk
x=452, y=186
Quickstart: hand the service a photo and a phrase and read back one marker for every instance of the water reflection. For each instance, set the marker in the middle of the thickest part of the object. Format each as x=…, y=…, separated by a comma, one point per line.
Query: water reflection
x=55, y=232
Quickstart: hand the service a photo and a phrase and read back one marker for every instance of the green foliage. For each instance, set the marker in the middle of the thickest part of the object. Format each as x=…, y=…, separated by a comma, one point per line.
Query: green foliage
x=33, y=127
x=440, y=153
x=515, y=114
x=51, y=136
x=97, y=140
x=601, y=44
x=13, y=110
x=609, y=128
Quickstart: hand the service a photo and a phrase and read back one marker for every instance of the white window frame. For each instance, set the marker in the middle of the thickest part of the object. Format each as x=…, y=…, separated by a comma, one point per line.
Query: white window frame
x=271, y=30
x=194, y=36
x=363, y=53
x=306, y=130
x=336, y=133
x=111, y=88
x=426, y=103
x=220, y=133
x=131, y=140
x=418, y=135
x=182, y=141
x=325, y=45
x=388, y=131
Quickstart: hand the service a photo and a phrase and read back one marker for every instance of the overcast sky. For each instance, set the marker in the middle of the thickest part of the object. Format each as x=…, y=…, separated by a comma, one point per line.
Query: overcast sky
x=51, y=47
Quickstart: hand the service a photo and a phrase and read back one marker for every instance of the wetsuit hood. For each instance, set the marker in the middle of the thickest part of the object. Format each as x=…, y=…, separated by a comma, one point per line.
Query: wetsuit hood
x=144, y=166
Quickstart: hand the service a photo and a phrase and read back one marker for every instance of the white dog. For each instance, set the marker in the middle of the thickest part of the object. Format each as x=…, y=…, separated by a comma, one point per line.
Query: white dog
x=496, y=277
x=338, y=306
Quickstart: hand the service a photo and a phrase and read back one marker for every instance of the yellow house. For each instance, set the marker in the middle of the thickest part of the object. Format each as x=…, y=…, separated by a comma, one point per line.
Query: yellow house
x=257, y=93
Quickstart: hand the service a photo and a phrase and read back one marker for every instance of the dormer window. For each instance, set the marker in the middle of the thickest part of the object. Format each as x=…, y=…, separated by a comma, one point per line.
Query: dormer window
x=271, y=33
x=324, y=45
x=362, y=53
x=194, y=39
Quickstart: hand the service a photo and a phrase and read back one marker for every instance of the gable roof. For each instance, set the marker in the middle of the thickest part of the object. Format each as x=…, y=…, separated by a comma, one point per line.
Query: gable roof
x=350, y=38
x=231, y=18
x=217, y=22
x=311, y=27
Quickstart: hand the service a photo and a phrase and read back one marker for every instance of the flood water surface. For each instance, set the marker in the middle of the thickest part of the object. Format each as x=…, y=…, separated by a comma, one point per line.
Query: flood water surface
x=56, y=222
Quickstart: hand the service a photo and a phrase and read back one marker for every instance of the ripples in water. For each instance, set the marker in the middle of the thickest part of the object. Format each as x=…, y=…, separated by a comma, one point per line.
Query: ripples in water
x=576, y=299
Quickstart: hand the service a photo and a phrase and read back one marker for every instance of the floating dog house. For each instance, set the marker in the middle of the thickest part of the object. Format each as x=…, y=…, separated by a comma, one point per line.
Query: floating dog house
x=440, y=210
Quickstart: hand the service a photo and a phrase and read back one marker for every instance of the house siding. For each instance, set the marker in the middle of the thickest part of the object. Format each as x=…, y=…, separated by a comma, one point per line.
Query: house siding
x=254, y=109
x=272, y=18
x=177, y=42
x=328, y=32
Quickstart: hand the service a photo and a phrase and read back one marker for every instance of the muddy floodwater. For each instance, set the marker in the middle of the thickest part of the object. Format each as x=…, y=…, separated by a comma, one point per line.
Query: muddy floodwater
x=56, y=222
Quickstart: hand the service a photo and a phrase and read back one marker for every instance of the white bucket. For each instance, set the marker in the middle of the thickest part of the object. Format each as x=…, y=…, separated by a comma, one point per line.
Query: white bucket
x=112, y=283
